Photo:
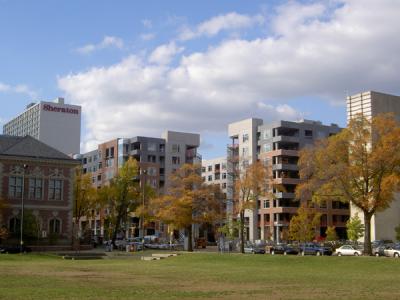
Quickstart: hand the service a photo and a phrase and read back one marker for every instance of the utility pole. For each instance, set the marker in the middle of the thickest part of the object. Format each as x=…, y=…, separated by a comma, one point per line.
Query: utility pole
x=25, y=166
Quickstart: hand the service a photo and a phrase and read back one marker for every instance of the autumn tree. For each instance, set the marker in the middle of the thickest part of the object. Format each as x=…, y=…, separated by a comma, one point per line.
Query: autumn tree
x=359, y=165
x=187, y=201
x=355, y=228
x=303, y=225
x=85, y=198
x=331, y=234
x=250, y=184
x=121, y=196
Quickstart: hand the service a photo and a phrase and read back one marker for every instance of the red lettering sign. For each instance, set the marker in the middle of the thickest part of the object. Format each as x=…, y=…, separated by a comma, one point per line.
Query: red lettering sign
x=66, y=110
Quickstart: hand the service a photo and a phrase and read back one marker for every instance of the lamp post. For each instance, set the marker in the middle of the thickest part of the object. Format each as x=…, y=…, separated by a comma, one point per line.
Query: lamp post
x=25, y=166
x=143, y=203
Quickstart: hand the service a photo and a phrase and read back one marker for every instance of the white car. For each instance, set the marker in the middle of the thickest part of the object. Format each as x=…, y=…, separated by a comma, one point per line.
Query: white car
x=392, y=252
x=348, y=250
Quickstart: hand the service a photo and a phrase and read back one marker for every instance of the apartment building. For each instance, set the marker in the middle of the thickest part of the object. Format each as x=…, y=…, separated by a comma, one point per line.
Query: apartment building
x=214, y=172
x=278, y=145
x=54, y=123
x=157, y=159
x=370, y=104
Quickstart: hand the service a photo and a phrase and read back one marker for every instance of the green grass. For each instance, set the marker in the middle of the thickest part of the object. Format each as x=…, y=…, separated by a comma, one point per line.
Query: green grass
x=200, y=276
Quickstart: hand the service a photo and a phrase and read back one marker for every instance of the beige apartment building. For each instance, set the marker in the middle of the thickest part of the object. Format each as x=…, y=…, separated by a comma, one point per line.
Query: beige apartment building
x=370, y=104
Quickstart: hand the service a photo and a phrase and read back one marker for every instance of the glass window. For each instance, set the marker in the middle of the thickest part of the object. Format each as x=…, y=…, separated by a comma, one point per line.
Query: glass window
x=35, y=188
x=151, y=147
x=209, y=168
x=267, y=147
x=15, y=187
x=267, y=133
x=175, y=148
x=55, y=226
x=245, y=137
x=55, y=189
x=266, y=204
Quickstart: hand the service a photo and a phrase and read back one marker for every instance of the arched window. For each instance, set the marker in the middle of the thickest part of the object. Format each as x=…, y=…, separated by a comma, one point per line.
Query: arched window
x=14, y=225
x=55, y=226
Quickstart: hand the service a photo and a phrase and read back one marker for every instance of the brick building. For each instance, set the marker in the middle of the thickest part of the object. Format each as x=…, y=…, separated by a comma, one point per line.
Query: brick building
x=41, y=176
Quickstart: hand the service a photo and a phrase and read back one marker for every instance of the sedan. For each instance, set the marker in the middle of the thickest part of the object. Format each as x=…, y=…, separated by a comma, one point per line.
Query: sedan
x=348, y=250
x=393, y=252
x=254, y=250
x=284, y=249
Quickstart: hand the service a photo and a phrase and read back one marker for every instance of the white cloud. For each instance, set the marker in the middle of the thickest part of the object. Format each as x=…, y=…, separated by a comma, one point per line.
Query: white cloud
x=147, y=23
x=213, y=26
x=18, y=89
x=107, y=42
x=352, y=47
x=147, y=36
x=163, y=54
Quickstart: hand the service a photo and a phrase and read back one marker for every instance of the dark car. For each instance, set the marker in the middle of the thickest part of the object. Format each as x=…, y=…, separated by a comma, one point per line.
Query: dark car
x=14, y=249
x=254, y=249
x=314, y=249
x=284, y=249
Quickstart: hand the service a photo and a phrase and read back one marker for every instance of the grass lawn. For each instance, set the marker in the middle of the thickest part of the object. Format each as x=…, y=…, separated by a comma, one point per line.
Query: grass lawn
x=200, y=276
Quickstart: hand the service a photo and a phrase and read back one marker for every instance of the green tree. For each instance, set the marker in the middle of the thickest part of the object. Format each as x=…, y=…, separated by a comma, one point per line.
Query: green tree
x=360, y=165
x=355, y=228
x=121, y=197
x=331, y=234
x=303, y=226
x=187, y=201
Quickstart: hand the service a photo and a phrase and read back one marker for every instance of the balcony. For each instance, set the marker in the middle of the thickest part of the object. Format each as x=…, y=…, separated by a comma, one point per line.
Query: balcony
x=289, y=167
x=286, y=138
x=135, y=152
x=284, y=152
x=287, y=180
x=283, y=195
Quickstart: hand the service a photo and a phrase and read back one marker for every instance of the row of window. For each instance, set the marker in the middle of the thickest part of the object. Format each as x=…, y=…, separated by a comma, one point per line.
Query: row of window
x=54, y=225
x=36, y=188
x=216, y=177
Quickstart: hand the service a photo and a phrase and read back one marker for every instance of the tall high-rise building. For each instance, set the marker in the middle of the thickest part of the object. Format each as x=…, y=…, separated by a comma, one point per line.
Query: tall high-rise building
x=54, y=123
x=277, y=144
x=370, y=104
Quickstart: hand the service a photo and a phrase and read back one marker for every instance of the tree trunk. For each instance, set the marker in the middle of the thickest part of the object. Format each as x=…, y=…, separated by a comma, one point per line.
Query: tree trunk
x=190, y=236
x=367, y=234
x=241, y=233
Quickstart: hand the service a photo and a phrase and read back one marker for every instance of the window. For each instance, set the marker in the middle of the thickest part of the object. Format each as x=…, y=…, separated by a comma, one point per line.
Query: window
x=203, y=169
x=209, y=177
x=245, y=151
x=15, y=187
x=209, y=168
x=217, y=176
x=151, y=147
x=55, y=189
x=14, y=225
x=267, y=133
x=266, y=204
x=308, y=133
x=162, y=148
x=224, y=185
x=151, y=158
x=245, y=137
x=176, y=160
x=35, y=188
x=175, y=148
x=152, y=171
x=223, y=166
x=267, y=147
x=55, y=226
x=223, y=175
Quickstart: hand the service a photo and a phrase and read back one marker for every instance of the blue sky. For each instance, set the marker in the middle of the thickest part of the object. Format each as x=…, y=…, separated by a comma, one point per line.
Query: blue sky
x=140, y=67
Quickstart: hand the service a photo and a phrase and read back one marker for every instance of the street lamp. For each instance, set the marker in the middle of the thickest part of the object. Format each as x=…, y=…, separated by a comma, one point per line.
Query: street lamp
x=143, y=203
x=25, y=166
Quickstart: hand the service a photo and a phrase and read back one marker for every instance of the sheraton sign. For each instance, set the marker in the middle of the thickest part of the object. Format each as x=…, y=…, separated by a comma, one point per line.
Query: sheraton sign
x=66, y=110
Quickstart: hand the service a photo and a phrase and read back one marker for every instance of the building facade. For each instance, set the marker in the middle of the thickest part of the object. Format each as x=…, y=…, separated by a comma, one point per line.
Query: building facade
x=54, y=123
x=277, y=145
x=370, y=104
x=157, y=159
x=42, y=178
x=214, y=172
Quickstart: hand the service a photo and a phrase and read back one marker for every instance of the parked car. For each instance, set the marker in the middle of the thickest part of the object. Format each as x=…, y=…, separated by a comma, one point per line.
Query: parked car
x=348, y=250
x=379, y=250
x=284, y=249
x=314, y=249
x=393, y=251
x=253, y=249
x=14, y=249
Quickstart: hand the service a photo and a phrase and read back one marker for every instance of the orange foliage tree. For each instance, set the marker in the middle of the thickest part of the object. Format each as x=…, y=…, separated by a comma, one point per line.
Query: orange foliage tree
x=360, y=165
